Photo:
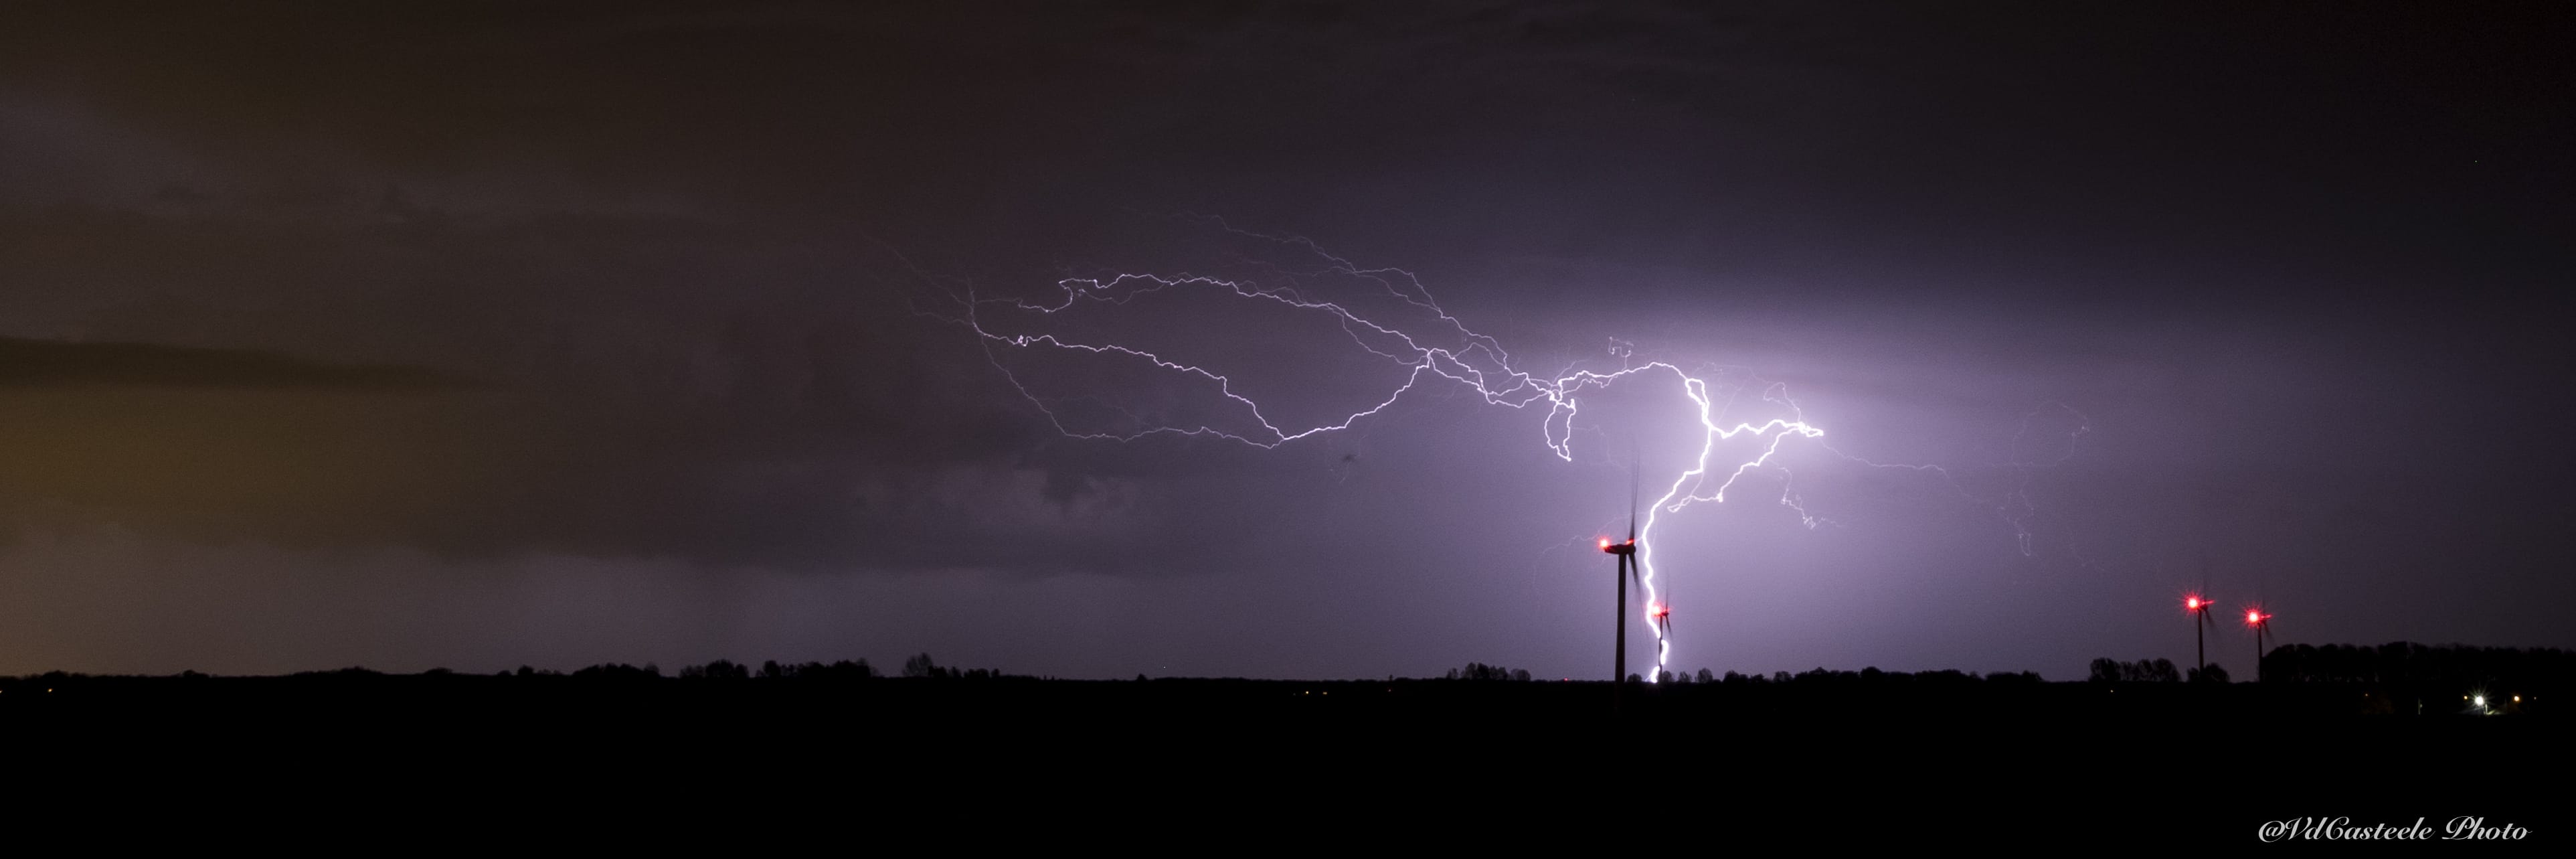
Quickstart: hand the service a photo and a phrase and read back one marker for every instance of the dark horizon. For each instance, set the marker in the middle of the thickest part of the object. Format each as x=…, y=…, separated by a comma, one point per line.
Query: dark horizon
x=486, y=336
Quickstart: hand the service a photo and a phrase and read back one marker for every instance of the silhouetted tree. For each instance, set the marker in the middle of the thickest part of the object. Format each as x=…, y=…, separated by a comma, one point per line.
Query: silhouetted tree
x=920, y=665
x=1482, y=671
x=616, y=671
x=2107, y=670
x=837, y=672
x=1705, y=678
x=721, y=669
x=2214, y=674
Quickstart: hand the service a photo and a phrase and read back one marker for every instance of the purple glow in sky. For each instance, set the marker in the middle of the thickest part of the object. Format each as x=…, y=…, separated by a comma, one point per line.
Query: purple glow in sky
x=1391, y=315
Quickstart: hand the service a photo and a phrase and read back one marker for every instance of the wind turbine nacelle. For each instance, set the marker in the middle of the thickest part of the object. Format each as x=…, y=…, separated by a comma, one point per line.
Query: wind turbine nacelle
x=1627, y=548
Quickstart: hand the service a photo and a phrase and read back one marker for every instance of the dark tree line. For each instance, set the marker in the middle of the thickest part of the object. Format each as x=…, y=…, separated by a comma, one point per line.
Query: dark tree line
x=721, y=669
x=2108, y=670
x=921, y=666
x=619, y=671
x=2405, y=664
x=918, y=666
x=1871, y=676
x=1482, y=671
x=841, y=670
x=2396, y=666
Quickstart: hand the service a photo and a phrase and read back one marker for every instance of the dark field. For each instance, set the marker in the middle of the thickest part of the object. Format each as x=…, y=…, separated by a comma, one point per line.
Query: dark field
x=1812, y=763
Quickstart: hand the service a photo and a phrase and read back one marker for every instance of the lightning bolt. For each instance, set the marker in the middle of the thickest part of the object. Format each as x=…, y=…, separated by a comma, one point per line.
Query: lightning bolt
x=1408, y=327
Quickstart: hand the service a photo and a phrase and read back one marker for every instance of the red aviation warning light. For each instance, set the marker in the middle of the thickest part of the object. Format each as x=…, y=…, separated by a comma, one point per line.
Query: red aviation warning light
x=2191, y=602
x=2255, y=617
x=1605, y=544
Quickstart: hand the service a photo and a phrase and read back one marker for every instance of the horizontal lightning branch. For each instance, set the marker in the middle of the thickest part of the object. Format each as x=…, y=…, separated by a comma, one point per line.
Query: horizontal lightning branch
x=1432, y=347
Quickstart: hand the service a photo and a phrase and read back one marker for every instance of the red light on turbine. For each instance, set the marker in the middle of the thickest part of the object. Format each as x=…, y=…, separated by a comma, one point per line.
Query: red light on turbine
x=1605, y=544
x=2192, y=603
x=2253, y=617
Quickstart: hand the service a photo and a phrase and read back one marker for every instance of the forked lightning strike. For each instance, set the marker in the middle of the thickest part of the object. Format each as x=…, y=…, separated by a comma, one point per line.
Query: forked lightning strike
x=1436, y=344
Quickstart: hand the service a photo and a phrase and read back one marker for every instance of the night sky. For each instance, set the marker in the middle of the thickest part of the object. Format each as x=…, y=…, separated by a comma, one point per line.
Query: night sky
x=465, y=335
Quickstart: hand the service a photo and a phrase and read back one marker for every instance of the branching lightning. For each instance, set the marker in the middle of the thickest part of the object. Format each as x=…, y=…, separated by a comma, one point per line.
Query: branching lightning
x=1431, y=347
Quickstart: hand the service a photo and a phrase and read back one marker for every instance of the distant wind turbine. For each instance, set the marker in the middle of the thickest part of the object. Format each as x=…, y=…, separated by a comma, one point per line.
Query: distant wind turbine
x=2261, y=623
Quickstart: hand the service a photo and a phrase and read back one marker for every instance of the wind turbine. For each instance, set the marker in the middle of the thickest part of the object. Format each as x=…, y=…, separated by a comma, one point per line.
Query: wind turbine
x=1627, y=554
x=2261, y=623
x=2198, y=606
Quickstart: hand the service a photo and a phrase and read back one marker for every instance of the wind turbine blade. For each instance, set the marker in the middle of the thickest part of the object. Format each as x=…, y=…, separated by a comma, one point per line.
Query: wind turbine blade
x=1636, y=467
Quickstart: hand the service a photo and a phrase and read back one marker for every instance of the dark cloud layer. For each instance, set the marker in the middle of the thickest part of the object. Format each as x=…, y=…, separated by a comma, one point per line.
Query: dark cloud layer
x=496, y=301
x=36, y=362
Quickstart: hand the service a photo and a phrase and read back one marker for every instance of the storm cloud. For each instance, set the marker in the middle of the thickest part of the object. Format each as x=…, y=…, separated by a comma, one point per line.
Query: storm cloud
x=475, y=316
